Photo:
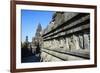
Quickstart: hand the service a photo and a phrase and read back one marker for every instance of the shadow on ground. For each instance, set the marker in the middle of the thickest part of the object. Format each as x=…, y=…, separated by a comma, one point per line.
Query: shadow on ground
x=27, y=56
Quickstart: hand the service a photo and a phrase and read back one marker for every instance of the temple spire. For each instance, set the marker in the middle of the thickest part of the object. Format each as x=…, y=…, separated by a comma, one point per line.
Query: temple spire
x=39, y=29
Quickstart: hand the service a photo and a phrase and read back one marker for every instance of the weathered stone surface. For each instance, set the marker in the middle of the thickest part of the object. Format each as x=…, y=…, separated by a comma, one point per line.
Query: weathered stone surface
x=71, y=38
x=76, y=42
x=81, y=41
x=69, y=15
x=49, y=58
x=66, y=46
x=80, y=28
x=71, y=25
x=86, y=41
x=59, y=18
x=59, y=56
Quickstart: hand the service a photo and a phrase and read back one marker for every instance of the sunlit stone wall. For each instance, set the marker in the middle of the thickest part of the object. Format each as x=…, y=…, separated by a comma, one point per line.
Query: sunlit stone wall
x=67, y=37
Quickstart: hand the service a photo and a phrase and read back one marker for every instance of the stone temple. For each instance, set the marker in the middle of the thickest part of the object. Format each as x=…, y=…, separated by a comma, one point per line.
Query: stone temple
x=66, y=38
x=37, y=40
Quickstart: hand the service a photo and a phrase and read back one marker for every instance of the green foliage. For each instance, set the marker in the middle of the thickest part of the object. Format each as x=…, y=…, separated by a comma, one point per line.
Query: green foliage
x=24, y=45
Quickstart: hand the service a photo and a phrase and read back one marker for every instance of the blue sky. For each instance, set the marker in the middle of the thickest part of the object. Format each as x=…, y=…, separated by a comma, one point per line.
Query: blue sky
x=30, y=20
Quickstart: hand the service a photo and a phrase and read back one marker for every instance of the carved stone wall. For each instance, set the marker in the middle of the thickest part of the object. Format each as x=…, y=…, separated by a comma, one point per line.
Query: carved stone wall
x=67, y=37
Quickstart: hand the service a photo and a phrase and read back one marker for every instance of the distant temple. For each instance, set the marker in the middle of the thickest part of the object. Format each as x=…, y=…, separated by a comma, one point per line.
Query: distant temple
x=38, y=31
x=37, y=40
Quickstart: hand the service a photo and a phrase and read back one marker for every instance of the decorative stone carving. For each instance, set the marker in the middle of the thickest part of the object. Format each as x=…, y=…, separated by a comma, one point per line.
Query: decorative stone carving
x=67, y=34
x=86, y=41
x=81, y=41
x=76, y=42
x=66, y=46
